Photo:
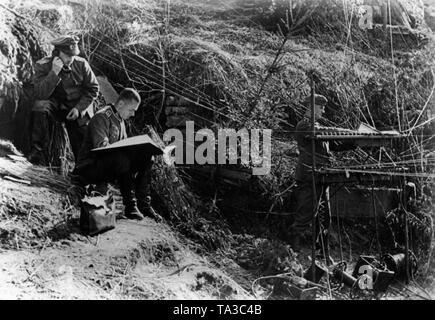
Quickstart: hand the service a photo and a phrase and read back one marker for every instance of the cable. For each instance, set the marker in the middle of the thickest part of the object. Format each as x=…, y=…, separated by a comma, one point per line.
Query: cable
x=394, y=69
x=171, y=90
x=155, y=72
x=175, y=81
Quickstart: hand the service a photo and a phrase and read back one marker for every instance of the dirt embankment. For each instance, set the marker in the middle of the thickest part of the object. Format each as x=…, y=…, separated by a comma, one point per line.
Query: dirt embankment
x=44, y=256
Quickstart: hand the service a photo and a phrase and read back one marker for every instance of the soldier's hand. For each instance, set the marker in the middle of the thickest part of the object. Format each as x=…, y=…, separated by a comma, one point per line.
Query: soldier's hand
x=105, y=142
x=73, y=114
x=57, y=65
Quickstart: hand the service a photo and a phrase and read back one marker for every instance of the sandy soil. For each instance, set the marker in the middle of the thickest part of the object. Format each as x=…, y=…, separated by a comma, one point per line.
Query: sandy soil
x=137, y=260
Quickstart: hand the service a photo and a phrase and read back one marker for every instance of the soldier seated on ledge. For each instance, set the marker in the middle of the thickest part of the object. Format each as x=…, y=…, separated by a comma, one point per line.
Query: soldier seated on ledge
x=130, y=168
x=65, y=90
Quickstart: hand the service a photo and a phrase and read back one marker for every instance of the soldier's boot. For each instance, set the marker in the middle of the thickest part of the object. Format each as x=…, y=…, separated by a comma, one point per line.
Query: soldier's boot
x=143, y=190
x=78, y=185
x=131, y=210
x=39, y=139
x=147, y=210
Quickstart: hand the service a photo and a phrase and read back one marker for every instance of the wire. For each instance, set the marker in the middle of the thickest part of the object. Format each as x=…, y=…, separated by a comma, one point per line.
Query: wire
x=169, y=89
x=417, y=175
x=211, y=103
x=394, y=69
x=176, y=83
x=425, y=105
x=173, y=90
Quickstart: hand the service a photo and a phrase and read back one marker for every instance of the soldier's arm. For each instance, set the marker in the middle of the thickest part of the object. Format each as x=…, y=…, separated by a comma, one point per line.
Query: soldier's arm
x=99, y=130
x=90, y=87
x=303, y=129
x=335, y=145
x=45, y=81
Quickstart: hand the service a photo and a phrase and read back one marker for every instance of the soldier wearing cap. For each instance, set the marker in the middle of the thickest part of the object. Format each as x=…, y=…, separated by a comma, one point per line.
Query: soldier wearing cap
x=304, y=177
x=65, y=89
x=130, y=168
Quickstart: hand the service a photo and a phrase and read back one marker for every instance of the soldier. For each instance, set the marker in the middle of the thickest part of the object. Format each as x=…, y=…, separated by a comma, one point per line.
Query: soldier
x=65, y=89
x=132, y=169
x=304, y=177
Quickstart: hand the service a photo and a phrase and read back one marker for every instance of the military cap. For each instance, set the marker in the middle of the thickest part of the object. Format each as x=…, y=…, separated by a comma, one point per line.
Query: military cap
x=65, y=41
x=319, y=100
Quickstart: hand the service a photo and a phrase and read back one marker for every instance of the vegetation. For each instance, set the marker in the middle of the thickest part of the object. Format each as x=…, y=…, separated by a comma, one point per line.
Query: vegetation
x=246, y=64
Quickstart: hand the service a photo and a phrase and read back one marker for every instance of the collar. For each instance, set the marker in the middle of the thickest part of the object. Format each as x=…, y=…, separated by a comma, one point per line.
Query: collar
x=73, y=58
x=115, y=112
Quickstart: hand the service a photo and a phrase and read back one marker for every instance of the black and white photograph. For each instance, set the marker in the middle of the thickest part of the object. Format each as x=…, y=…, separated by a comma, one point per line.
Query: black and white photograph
x=217, y=155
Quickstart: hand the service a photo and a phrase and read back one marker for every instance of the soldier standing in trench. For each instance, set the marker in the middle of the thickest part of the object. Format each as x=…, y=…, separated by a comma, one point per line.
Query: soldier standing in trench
x=304, y=192
x=65, y=89
x=130, y=168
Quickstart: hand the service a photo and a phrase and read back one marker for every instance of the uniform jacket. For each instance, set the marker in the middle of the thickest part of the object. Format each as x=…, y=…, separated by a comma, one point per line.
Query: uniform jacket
x=106, y=127
x=305, y=160
x=322, y=148
x=78, y=89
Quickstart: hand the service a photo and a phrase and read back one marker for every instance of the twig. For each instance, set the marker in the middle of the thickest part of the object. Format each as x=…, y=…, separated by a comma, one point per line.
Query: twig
x=43, y=246
x=413, y=292
x=430, y=247
x=425, y=105
x=268, y=74
x=36, y=270
x=179, y=270
x=16, y=242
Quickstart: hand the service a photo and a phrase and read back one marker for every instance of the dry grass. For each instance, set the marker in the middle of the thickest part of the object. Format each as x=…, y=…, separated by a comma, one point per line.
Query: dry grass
x=30, y=215
x=38, y=176
x=219, y=57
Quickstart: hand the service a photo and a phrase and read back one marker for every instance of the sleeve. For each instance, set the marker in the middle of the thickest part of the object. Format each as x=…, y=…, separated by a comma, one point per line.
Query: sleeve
x=99, y=131
x=334, y=145
x=90, y=87
x=44, y=81
x=303, y=129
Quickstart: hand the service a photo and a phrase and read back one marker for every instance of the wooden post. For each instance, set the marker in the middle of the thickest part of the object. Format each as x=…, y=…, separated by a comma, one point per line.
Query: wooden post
x=313, y=167
x=385, y=14
x=376, y=219
x=405, y=212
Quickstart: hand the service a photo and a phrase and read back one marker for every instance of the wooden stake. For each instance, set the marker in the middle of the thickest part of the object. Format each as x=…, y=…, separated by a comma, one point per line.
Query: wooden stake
x=405, y=210
x=313, y=151
x=385, y=15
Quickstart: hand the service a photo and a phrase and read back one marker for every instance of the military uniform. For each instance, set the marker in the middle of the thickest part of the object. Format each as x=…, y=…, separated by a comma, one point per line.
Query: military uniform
x=105, y=128
x=304, y=178
x=56, y=95
x=130, y=168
